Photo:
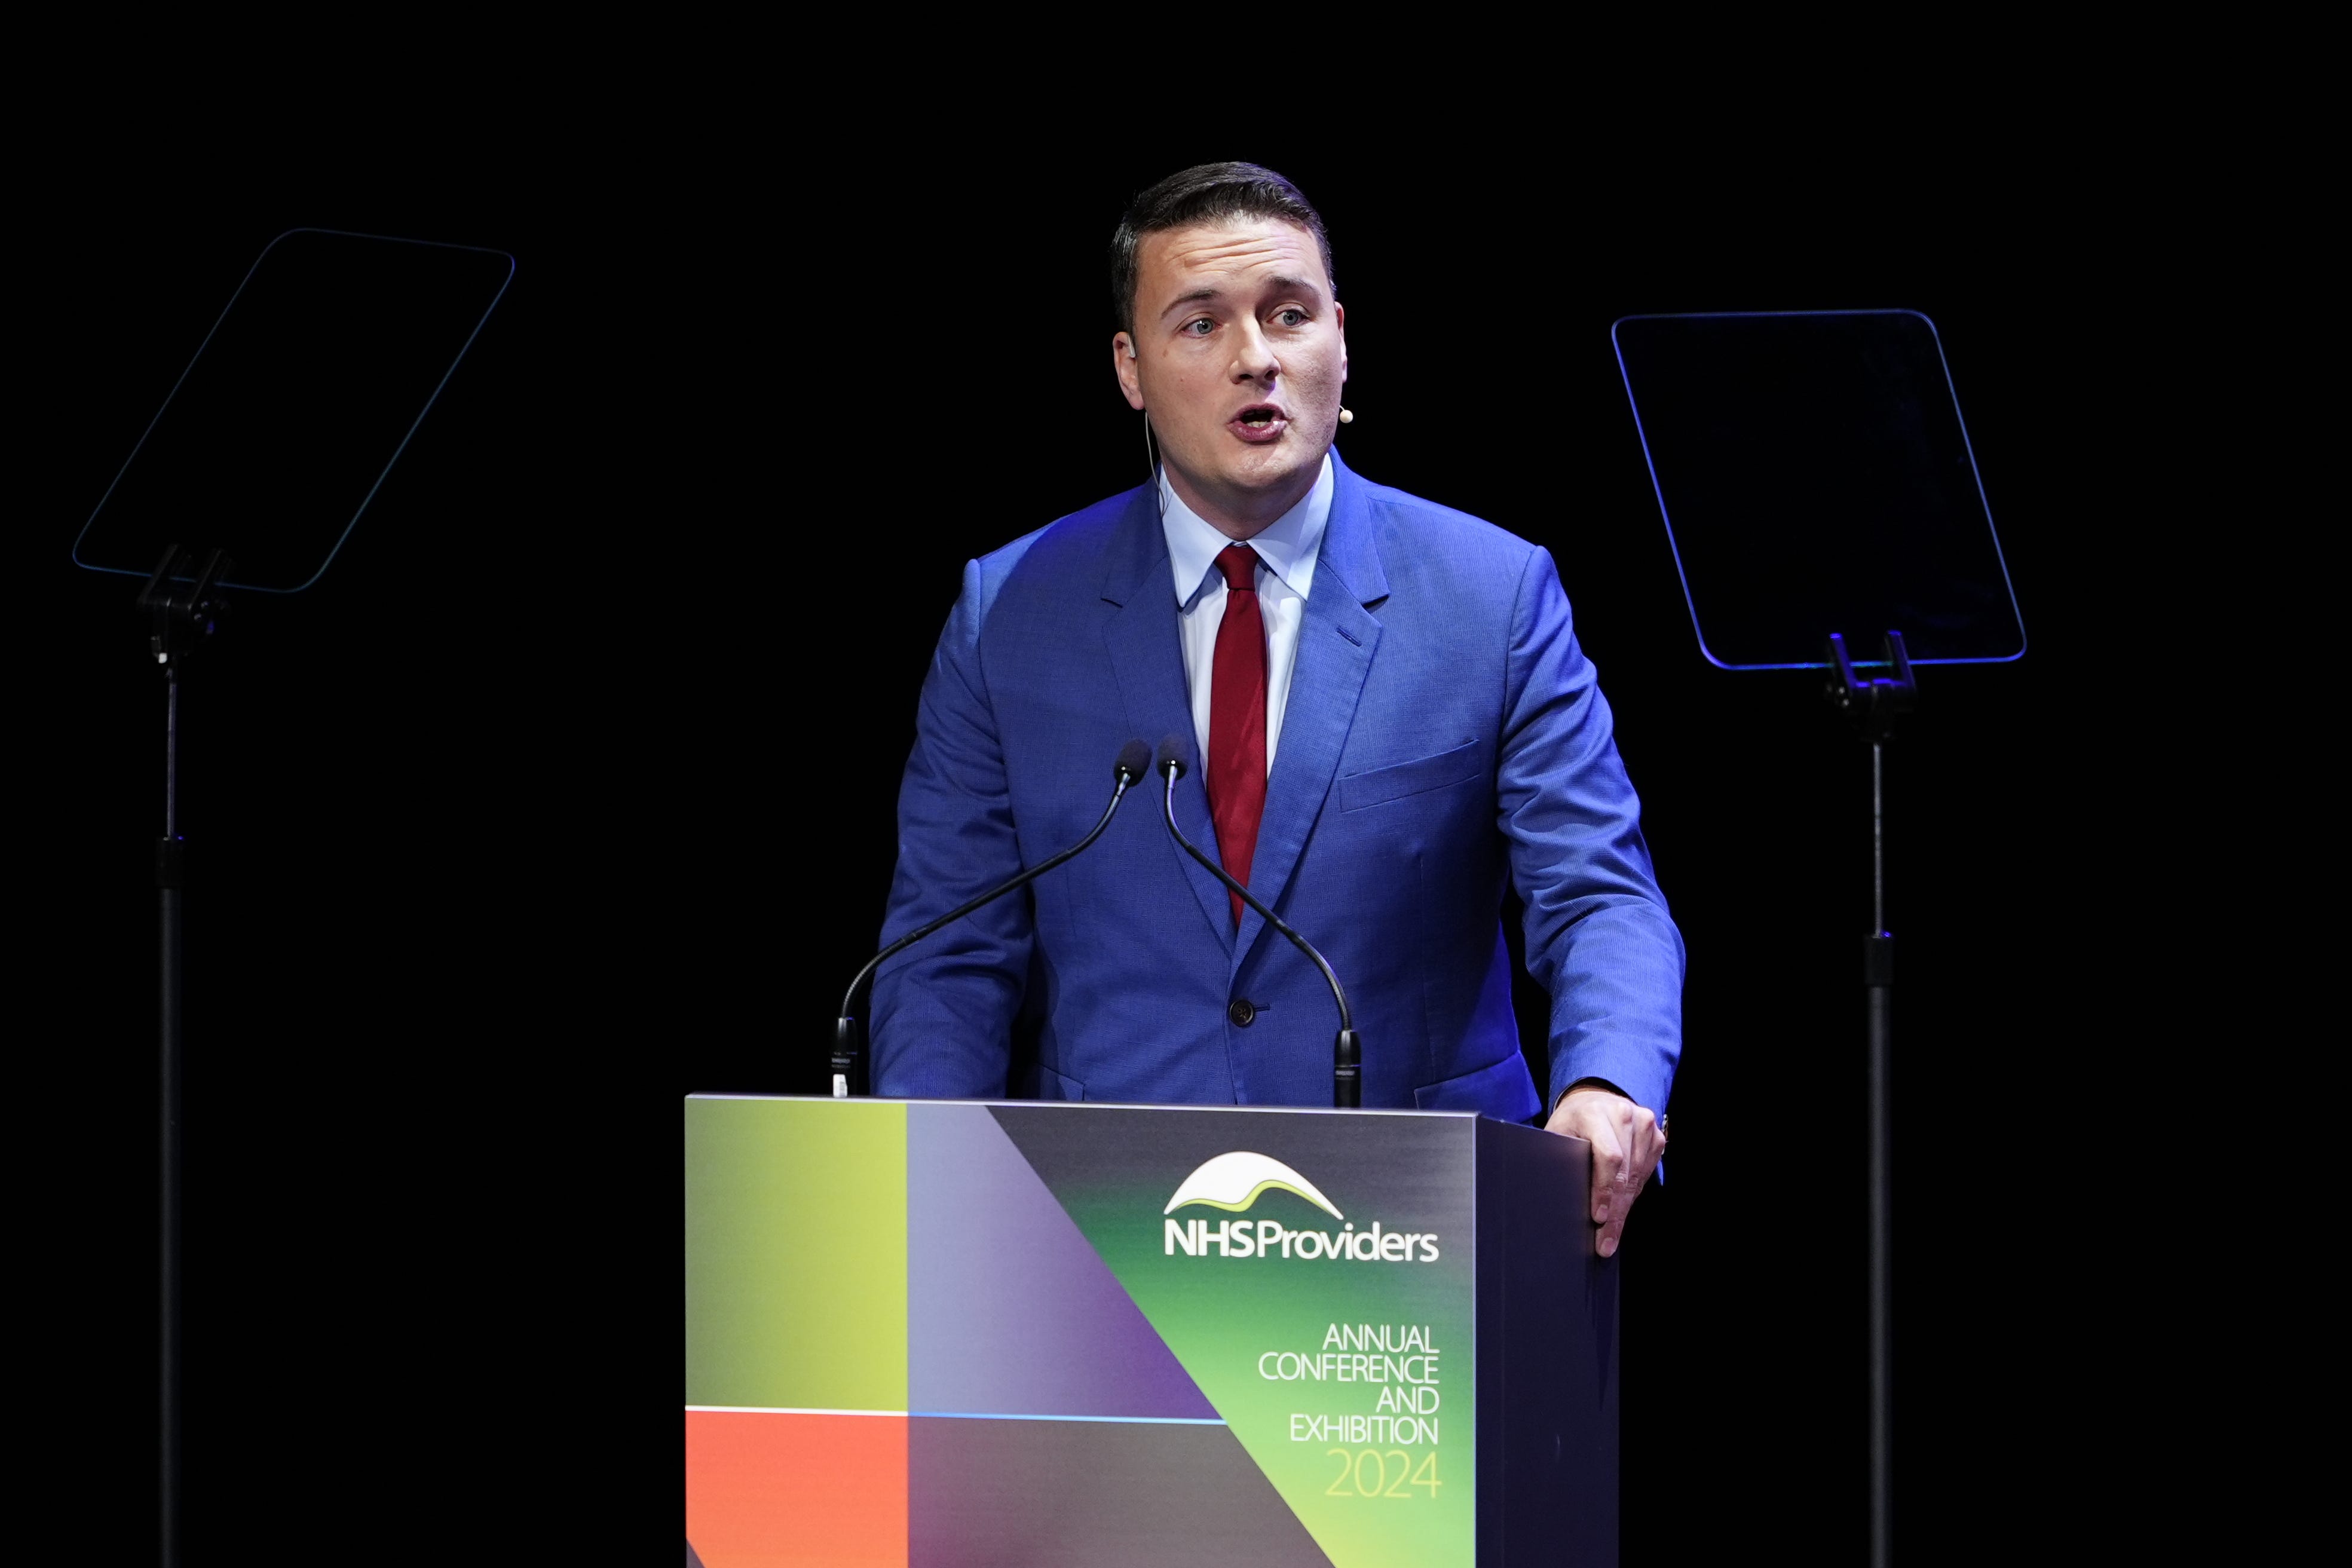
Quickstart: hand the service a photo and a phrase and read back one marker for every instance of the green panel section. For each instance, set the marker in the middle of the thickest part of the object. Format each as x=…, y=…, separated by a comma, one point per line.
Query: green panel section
x=1374, y=1491
x=1222, y=1317
x=796, y=1254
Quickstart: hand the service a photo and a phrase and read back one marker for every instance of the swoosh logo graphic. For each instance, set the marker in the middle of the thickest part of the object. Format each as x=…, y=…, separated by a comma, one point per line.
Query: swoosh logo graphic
x=1233, y=1183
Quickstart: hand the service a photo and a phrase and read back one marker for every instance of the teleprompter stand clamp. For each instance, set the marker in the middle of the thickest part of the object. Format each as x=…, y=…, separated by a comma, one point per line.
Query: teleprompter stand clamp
x=1872, y=706
x=183, y=610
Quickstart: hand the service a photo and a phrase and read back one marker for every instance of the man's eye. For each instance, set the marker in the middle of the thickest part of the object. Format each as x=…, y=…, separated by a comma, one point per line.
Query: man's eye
x=1201, y=327
x=1291, y=316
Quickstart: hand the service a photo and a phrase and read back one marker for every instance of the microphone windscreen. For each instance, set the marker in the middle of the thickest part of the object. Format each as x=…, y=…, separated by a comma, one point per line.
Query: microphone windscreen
x=1134, y=764
x=1171, y=754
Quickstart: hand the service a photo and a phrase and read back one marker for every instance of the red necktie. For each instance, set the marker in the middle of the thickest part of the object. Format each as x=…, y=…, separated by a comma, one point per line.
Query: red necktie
x=1237, y=720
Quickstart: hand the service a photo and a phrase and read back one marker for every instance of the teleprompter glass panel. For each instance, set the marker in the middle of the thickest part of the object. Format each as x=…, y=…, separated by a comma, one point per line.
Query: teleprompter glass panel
x=1816, y=478
x=297, y=405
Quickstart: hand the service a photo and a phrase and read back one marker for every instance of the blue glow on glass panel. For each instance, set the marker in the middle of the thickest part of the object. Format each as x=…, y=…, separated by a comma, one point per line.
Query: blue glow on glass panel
x=1862, y=411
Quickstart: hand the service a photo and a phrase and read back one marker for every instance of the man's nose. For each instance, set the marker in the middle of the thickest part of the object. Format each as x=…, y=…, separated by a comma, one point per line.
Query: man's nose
x=1254, y=357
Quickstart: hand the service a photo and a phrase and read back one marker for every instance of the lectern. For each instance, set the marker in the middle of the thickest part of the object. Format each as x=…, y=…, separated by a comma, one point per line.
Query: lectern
x=1035, y=1334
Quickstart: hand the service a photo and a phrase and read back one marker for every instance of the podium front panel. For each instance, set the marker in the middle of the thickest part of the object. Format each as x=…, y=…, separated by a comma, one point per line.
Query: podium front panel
x=950, y=1332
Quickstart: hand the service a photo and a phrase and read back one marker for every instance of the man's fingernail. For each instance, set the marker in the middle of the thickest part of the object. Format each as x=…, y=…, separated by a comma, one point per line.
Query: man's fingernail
x=1608, y=1245
x=1600, y=1215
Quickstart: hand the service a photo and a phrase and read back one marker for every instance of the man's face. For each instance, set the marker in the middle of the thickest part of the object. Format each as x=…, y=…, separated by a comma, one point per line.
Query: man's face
x=1240, y=353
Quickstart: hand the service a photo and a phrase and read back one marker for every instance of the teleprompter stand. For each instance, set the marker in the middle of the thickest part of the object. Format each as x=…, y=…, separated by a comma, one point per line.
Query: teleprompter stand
x=1872, y=706
x=182, y=612
x=1816, y=478
x=301, y=399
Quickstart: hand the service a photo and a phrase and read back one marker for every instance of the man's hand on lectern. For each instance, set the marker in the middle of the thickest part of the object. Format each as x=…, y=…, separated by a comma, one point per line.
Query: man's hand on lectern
x=1626, y=1142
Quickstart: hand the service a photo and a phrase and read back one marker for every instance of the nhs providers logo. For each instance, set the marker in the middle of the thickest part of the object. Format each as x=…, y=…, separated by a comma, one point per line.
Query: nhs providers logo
x=1234, y=1183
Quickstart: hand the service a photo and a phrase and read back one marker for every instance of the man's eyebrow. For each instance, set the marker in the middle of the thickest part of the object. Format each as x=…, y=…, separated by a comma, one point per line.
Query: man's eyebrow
x=1193, y=297
x=1272, y=286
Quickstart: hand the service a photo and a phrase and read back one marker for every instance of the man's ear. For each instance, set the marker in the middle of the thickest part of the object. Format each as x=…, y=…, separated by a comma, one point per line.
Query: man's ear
x=1122, y=364
x=1340, y=321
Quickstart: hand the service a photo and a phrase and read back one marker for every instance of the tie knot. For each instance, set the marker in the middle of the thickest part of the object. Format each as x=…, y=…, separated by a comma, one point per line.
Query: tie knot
x=1239, y=564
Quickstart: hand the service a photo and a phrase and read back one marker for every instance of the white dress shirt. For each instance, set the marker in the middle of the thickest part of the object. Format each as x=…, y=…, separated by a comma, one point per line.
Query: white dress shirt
x=1285, y=571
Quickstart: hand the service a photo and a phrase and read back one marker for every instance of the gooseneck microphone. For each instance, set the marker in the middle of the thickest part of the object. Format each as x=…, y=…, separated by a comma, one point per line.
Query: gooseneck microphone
x=1347, y=1051
x=849, y=1050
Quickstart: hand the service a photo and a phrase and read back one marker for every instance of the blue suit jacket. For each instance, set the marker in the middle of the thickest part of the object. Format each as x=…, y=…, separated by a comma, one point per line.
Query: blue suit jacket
x=1443, y=732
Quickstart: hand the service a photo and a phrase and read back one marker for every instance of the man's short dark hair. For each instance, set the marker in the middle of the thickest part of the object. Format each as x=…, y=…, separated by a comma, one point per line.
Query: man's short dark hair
x=1205, y=193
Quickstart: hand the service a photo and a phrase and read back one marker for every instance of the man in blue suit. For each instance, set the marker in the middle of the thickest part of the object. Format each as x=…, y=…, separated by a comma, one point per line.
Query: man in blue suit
x=1393, y=717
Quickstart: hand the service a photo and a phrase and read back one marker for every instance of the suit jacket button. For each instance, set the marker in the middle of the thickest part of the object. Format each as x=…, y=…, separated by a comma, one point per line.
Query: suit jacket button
x=1243, y=1012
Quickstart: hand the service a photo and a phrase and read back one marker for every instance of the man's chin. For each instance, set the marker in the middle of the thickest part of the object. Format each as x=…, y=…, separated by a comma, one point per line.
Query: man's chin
x=1260, y=471
x=1261, y=481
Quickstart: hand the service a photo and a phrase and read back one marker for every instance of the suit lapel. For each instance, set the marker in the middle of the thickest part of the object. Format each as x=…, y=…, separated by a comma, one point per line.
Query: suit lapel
x=1337, y=639
x=1148, y=660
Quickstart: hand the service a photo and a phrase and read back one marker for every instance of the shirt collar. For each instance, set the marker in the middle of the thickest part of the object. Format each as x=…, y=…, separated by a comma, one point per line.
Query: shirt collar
x=1288, y=548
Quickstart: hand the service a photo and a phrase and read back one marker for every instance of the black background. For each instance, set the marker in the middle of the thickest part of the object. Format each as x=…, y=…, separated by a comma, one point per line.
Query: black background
x=569, y=790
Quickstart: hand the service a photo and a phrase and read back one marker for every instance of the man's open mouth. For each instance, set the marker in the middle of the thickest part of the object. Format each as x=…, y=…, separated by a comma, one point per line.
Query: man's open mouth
x=1261, y=421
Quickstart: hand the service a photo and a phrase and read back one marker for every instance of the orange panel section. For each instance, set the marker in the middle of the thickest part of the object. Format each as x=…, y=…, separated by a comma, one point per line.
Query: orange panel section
x=767, y=1489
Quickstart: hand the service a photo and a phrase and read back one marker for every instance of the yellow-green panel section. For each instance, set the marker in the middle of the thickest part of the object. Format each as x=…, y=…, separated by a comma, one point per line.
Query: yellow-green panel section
x=796, y=1254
